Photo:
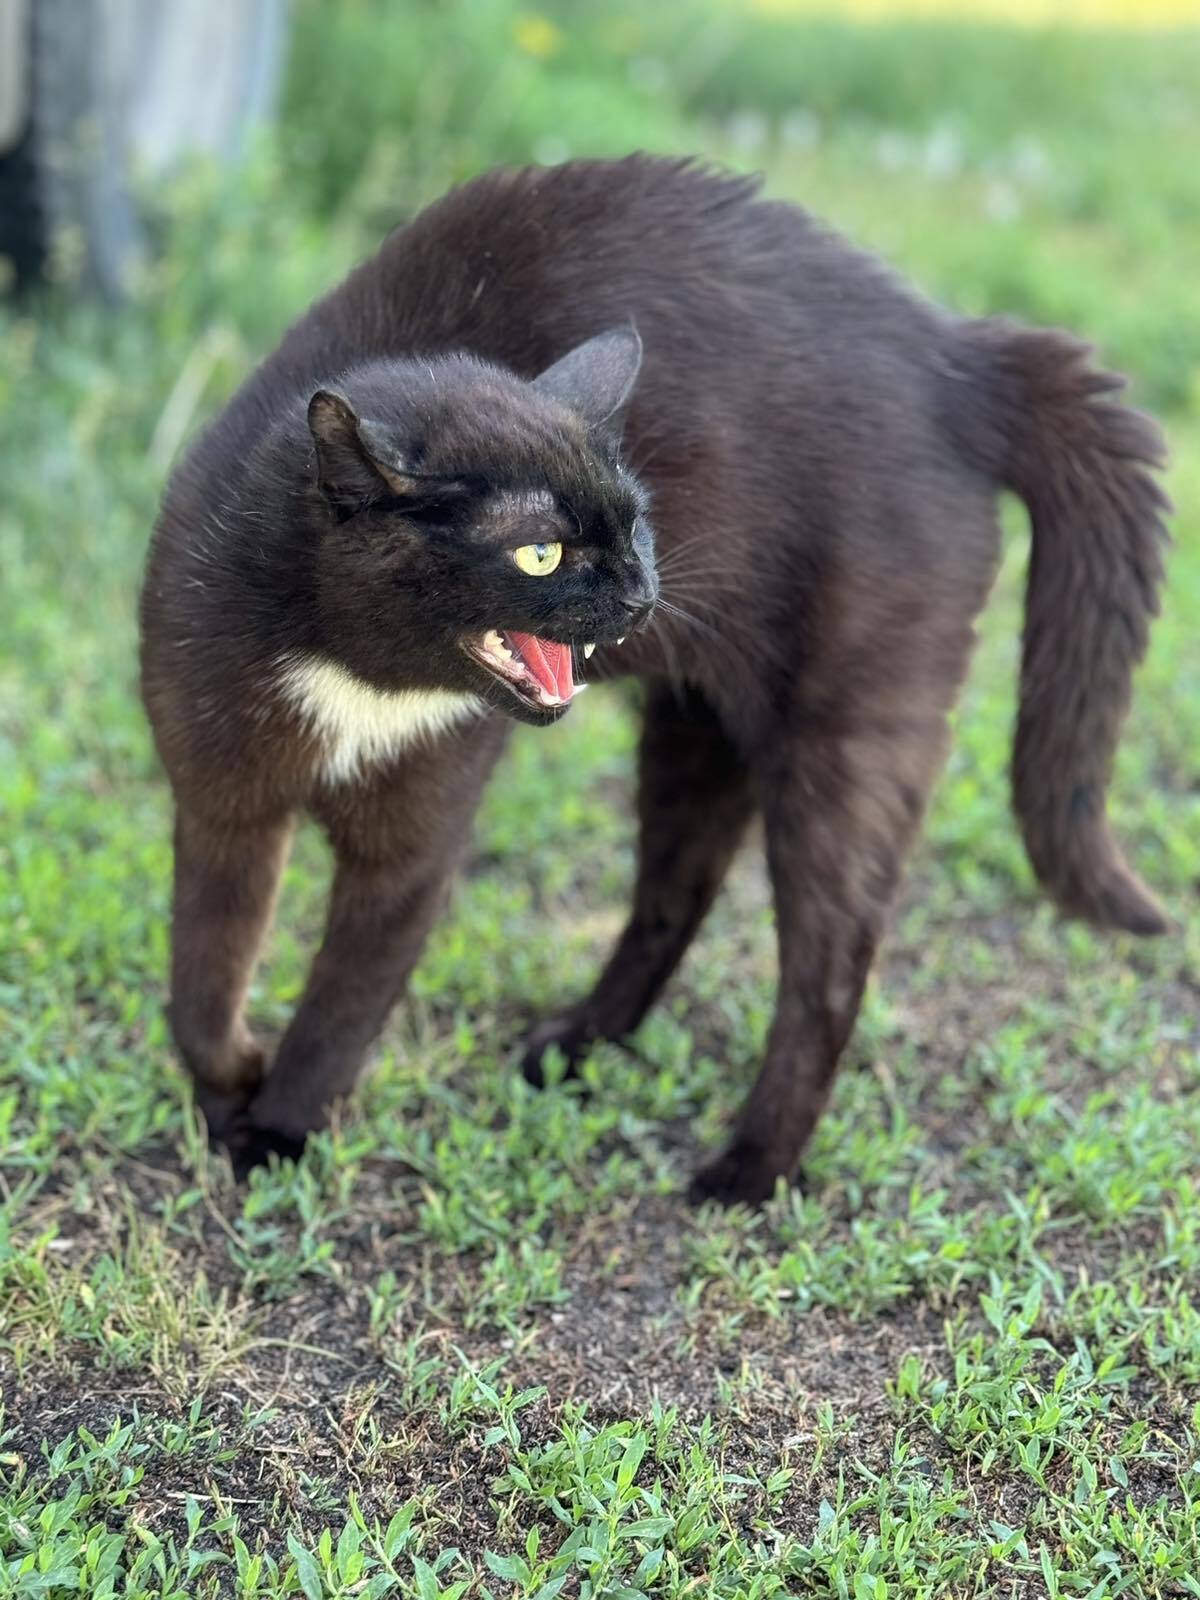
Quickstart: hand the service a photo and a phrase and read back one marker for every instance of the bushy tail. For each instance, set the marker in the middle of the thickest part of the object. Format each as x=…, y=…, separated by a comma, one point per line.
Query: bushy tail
x=1045, y=424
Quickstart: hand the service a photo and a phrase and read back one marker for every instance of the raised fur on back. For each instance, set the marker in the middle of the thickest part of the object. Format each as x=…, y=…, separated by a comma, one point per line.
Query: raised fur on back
x=774, y=503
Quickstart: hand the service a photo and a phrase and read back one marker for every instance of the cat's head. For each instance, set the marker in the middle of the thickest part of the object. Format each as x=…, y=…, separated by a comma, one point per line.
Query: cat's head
x=478, y=532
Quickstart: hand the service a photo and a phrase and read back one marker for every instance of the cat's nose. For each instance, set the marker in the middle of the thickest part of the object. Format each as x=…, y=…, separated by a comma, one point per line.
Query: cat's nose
x=640, y=611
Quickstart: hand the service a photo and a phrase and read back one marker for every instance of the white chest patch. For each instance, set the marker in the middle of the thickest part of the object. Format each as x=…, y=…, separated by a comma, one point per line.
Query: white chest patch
x=360, y=726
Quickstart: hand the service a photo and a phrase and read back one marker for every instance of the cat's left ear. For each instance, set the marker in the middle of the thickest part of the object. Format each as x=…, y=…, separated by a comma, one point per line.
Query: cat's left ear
x=596, y=379
x=357, y=459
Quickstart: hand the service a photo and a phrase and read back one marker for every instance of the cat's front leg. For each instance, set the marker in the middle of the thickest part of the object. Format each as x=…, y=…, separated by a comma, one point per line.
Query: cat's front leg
x=226, y=876
x=379, y=916
x=397, y=836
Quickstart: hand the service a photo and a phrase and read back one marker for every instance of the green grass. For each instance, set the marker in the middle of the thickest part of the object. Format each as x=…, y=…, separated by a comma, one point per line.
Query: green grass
x=476, y=1342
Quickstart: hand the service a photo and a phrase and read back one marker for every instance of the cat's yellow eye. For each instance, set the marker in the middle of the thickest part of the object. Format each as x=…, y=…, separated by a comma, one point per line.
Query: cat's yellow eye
x=538, y=560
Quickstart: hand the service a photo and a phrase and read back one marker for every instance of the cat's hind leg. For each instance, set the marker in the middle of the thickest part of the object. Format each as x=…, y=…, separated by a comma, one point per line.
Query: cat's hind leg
x=841, y=809
x=694, y=800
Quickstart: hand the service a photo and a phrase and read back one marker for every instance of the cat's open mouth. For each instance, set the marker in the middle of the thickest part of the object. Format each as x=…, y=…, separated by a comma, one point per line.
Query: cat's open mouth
x=538, y=671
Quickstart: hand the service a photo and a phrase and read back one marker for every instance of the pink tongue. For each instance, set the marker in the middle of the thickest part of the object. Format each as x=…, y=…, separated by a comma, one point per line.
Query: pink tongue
x=549, y=662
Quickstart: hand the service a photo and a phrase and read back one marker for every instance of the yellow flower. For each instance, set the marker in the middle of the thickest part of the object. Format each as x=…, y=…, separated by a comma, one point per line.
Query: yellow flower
x=537, y=36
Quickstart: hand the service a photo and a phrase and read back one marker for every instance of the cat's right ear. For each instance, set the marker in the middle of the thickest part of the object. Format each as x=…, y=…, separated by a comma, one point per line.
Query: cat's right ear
x=357, y=460
x=596, y=379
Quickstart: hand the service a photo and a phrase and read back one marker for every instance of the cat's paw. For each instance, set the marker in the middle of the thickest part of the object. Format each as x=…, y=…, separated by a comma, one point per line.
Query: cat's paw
x=744, y=1174
x=223, y=1095
x=224, y=1112
x=256, y=1147
x=246, y=1143
x=564, y=1034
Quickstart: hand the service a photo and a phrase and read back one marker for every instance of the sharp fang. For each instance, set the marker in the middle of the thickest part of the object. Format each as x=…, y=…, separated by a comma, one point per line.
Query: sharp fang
x=621, y=640
x=589, y=651
x=494, y=645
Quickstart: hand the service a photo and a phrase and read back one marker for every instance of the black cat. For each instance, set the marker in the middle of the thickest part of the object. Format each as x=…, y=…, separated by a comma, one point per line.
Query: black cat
x=423, y=512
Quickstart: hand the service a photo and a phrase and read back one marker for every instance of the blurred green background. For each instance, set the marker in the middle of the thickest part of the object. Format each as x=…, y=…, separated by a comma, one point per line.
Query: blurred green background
x=995, y=163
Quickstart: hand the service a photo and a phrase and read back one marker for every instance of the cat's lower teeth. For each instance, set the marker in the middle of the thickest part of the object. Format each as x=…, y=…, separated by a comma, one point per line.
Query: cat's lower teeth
x=507, y=660
x=495, y=646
